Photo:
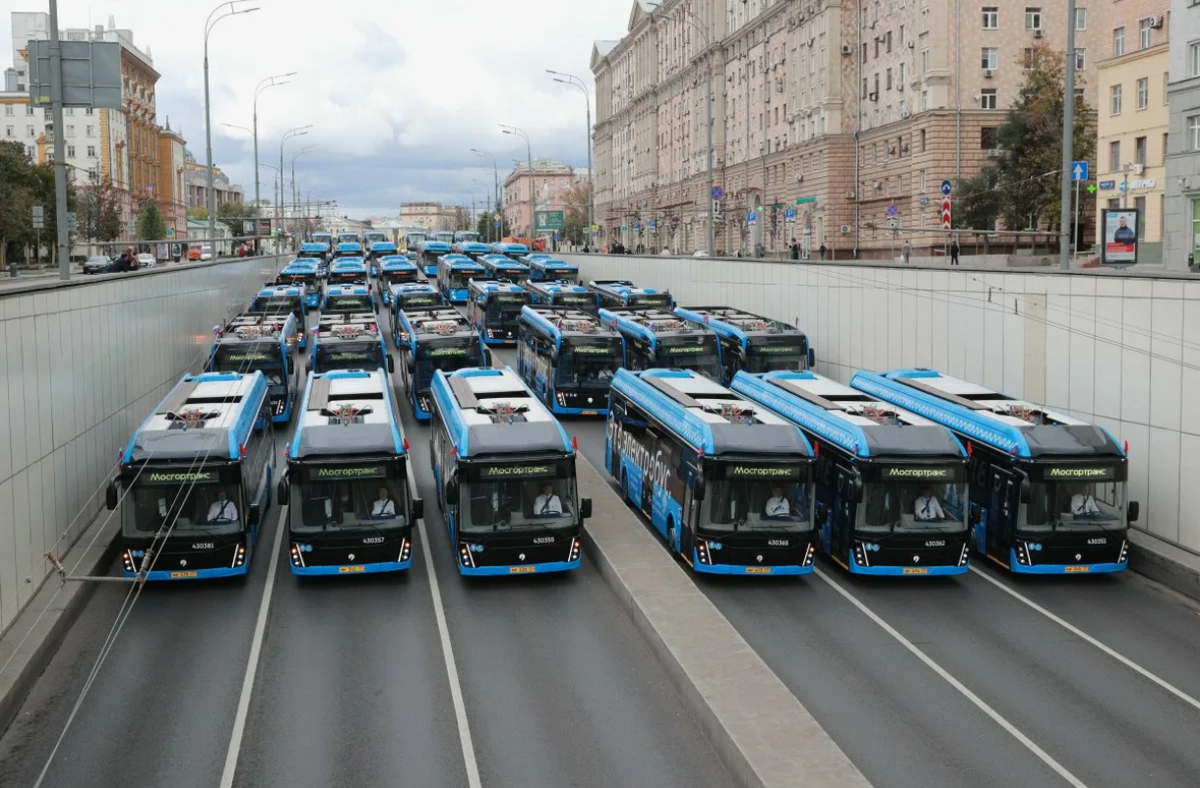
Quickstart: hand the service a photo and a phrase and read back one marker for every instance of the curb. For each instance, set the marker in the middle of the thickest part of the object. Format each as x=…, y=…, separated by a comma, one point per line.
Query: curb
x=1165, y=563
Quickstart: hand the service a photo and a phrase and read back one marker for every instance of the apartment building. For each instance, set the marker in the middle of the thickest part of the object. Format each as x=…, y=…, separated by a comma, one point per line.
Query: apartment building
x=1131, y=119
x=543, y=187
x=838, y=110
x=1181, y=240
x=429, y=216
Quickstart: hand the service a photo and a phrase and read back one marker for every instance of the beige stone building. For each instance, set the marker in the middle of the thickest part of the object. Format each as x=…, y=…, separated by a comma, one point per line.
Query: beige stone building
x=919, y=85
x=430, y=216
x=1132, y=117
x=548, y=183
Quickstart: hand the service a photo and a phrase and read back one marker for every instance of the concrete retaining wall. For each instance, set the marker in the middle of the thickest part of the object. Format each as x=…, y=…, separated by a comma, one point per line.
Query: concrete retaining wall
x=82, y=363
x=1122, y=351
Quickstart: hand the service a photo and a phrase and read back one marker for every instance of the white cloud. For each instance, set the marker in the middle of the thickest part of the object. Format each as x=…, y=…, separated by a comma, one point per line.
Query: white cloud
x=397, y=93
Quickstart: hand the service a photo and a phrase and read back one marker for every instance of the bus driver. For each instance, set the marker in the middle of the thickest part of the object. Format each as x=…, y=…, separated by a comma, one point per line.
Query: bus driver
x=927, y=507
x=222, y=510
x=384, y=506
x=547, y=502
x=777, y=504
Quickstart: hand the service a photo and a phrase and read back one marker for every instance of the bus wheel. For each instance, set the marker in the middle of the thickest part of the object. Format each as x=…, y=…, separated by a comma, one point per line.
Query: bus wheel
x=671, y=533
x=625, y=488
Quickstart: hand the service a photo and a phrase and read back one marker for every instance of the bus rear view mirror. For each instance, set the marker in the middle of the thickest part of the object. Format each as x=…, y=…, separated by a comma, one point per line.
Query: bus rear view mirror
x=281, y=493
x=822, y=513
x=110, y=496
x=452, y=492
x=418, y=509
x=812, y=358
x=585, y=508
x=391, y=364
x=255, y=515
x=1132, y=514
x=698, y=489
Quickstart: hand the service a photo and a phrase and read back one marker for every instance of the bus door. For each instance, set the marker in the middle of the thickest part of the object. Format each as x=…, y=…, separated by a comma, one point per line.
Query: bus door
x=1003, y=500
x=844, y=513
x=542, y=371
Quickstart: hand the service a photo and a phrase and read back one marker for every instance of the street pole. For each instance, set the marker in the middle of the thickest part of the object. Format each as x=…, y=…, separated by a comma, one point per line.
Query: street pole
x=209, y=24
x=271, y=83
x=712, y=227
x=1068, y=152
x=60, y=157
x=1075, y=227
x=575, y=81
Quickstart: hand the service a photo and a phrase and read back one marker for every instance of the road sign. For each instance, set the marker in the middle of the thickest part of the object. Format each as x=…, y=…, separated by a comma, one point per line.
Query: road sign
x=636, y=227
x=752, y=218
x=170, y=232
x=716, y=209
x=789, y=215
x=805, y=200
x=1079, y=171
x=893, y=222
x=496, y=223
x=652, y=223
x=893, y=211
x=946, y=188
x=495, y=217
x=595, y=228
x=923, y=200
x=717, y=192
x=72, y=225
x=946, y=214
x=1108, y=184
x=549, y=220
x=39, y=217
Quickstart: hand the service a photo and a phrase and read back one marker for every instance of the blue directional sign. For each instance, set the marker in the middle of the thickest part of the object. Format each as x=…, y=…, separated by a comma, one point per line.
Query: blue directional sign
x=924, y=200
x=1108, y=184
x=752, y=218
x=1079, y=171
x=652, y=223
x=789, y=215
x=717, y=192
x=892, y=211
x=495, y=224
x=636, y=227
x=946, y=188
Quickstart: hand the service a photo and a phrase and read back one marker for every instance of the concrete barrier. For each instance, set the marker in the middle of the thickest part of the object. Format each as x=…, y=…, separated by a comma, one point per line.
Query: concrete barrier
x=83, y=361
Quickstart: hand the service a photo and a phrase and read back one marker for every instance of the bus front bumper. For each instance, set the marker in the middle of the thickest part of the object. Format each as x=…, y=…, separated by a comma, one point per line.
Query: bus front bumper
x=191, y=574
x=353, y=569
x=734, y=569
x=856, y=568
x=1016, y=567
x=523, y=569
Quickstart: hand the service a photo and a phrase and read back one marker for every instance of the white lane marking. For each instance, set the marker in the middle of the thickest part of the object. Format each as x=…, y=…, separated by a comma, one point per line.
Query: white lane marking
x=982, y=705
x=456, y=694
x=1079, y=633
x=260, y=628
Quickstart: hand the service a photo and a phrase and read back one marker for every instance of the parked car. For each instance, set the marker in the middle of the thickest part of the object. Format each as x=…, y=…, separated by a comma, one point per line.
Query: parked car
x=145, y=260
x=194, y=253
x=206, y=252
x=97, y=264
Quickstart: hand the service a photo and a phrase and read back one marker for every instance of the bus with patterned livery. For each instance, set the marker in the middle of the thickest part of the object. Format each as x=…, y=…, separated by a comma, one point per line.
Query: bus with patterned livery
x=454, y=275
x=562, y=294
x=265, y=343
x=285, y=299
x=724, y=481
x=623, y=294
x=657, y=339
x=395, y=269
x=196, y=477
x=505, y=476
x=346, y=486
x=434, y=338
x=568, y=359
x=499, y=267
x=494, y=308
x=890, y=486
x=544, y=268
x=751, y=342
x=349, y=340
x=1048, y=492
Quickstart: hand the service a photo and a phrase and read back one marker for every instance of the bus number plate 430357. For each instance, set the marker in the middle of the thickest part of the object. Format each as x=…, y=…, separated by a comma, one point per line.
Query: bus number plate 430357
x=516, y=570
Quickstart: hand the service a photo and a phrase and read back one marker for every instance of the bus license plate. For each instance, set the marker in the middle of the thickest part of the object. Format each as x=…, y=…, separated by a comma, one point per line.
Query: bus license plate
x=758, y=570
x=908, y=570
x=589, y=413
x=179, y=575
x=516, y=570
x=348, y=569
x=1077, y=569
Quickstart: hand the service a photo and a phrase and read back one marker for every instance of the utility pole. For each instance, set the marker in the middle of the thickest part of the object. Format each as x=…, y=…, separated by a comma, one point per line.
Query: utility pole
x=60, y=158
x=1068, y=150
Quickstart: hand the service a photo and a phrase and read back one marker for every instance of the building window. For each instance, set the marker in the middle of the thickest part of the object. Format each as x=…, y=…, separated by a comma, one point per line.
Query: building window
x=991, y=18
x=900, y=75
x=990, y=58
x=1166, y=137
x=1143, y=92
x=69, y=110
x=9, y=131
x=864, y=52
x=1028, y=58
x=1193, y=132
x=1114, y=156
x=922, y=140
x=70, y=151
x=90, y=131
x=1081, y=19
x=1080, y=60
x=889, y=41
x=8, y=110
x=1139, y=150
x=1033, y=19
x=91, y=150
x=1115, y=100
x=901, y=36
x=1193, y=59
x=987, y=98
x=89, y=111
x=889, y=79
x=1144, y=33
x=1166, y=84
x=1118, y=42
x=1140, y=204
x=924, y=61
x=70, y=130
x=29, y=131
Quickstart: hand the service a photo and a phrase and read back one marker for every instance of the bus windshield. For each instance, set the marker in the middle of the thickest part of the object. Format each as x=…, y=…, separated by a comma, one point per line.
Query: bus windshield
x=650, y=299
x=241, y=358
x=431, y=258
x=333, y=505
x=525, y=504
x=1070, y=506
x=447, y=358
x=356, y=302
x=588, y=363
x=350, y=355
x=768, y=357
x=276, y=305
x=505, y=308
x=387, y=278
x=764, y=503
x=197, y=508
x=457, y=280
x=898, y=506
x=697, y=353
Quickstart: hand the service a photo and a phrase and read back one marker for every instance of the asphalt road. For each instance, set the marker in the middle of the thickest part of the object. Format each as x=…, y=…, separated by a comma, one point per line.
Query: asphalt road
x=905, y=725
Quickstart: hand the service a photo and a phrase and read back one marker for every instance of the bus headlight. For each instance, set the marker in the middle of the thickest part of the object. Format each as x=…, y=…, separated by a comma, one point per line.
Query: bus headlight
x=239, y=556
x=1023, y=549
x=296, y=550
x=810, y=554
x=1124, y=552
x=464, y=554
x=575, y=548
x=405, y=549
x=127, y=560
x=702, y=552
x=962, y=559
x=861, y=550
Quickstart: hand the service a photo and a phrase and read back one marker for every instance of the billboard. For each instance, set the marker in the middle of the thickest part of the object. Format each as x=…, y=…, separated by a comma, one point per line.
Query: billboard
x=1120, y=242
x=547, y=221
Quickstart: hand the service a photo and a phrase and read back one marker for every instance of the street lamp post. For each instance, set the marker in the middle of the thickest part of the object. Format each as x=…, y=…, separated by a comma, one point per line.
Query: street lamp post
x=575, y=81
x=299, y=131
x=529, y=153
x=497, y=194
x=269, y=82
x=296, y=155
x=209, y=24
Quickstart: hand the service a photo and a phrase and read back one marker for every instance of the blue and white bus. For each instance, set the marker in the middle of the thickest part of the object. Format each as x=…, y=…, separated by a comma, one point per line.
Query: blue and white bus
x=455, y=273
x=568, y=358
x=349, y=238
x=266, y=343
x=513, y=251
x=468, y=242
x=306, y=273
x=349, y=340
x=348, y=298
x=505, y=476
x=562, y=294
x=315, y=251
x=395, y=269
x=323, y=238
x=413, y=241
x=544, y=268
x=655, y=339
x=494, y=309
x=505, y=268
x=377, y=251
x=751, y=342
x=197, y=479
x=346, y=487
x=1047, y=491
x=623, y=294
x=434, y=338
x=348, y=249
x=348, y=271
x=410, y=296
x=284, y=299
x=725, y=482
x=891, y=495
x=432, y=252
x=374, y=237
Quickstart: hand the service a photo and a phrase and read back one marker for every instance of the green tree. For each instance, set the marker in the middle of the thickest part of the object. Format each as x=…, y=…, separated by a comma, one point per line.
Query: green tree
x=197, y=214
x=575, y=219
x=979, y=202
x=150, y=225
x=16, y=205
x=232, y=214
x=486, y=230
x=1030, y=142
x=99, y=212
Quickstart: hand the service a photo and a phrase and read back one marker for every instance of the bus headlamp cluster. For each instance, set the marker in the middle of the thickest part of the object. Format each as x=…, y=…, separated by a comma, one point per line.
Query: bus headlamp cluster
x=863, y=550
x=297, y=550
x=128, y=559
x=702, y=552
x=464, y=554
x=405, y=549
x=1124, y=552
x=810, y=554
x=1023, y=551
x=576, y=545
x=239, y=557
x=962, y=558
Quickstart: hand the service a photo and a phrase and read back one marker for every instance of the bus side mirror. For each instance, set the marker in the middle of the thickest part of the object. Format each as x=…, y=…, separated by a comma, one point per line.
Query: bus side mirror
x=856, y=489
x=975, y=515
x=1132, y=514
x=418, y=509
x=698, y=489
x=812, y=358
x=281, y=493
x=822, y=513
x=110, y=497
x=554, y=356
x=410, y=363
x=255, y=515
x=391, y=364
x=452, y=492
x=487, y=357
x=585, y=508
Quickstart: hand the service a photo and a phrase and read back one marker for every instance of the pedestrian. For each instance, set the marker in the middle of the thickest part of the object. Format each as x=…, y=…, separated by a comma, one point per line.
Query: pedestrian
x=795, y=250
x=821, y=251
x=905, y=251
x=954, y=252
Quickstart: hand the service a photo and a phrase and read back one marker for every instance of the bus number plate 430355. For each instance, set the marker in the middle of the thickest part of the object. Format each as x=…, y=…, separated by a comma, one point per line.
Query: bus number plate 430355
x=516, y=570
x=347, y=569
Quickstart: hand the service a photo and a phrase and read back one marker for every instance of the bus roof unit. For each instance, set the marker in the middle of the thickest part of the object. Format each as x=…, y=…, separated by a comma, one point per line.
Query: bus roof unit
x=347, y=411
x=490, y=411
x=647, y=323
x=708, y=416
x=564, y=321
x=437, y=321
x=860, y=424
x=1020, y=428
x=729, y=322
x=256, y=327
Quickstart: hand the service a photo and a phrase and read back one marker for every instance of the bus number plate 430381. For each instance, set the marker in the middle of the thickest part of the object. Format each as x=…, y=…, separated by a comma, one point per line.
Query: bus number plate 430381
x=178, y=575
x=352, y=568
x=516, y=570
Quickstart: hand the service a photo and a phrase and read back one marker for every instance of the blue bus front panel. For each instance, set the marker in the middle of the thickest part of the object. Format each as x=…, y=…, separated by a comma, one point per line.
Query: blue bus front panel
x=351, y=555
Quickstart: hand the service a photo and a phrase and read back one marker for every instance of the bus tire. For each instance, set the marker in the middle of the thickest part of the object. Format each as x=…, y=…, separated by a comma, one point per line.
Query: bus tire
x=671, y=534
x=625, y=488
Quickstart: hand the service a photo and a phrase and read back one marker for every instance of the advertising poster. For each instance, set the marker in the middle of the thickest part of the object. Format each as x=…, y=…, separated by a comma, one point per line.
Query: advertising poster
x=1120, y=241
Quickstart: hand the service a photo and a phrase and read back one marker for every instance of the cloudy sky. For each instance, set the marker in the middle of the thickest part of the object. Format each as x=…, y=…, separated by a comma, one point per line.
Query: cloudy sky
x=398, y=93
